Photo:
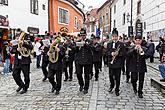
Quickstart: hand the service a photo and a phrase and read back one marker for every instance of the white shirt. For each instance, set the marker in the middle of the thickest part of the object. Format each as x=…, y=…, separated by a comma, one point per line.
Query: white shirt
x=36, y=48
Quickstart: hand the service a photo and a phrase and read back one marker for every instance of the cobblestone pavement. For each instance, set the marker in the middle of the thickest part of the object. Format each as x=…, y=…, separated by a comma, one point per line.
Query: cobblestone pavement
x=39, y=97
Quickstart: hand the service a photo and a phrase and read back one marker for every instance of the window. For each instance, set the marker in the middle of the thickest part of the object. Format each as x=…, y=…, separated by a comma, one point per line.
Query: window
x=75, y=22
x=43, y=7
x=144, y=25
x=107, y=18
x=103, y=18
x=4, y=2
x=114, y=9
x=114, y=24
x=100, y=20
x=63, y=16
x=124, y=2
x=34, y=7
x=124, y=19
x=139, y=7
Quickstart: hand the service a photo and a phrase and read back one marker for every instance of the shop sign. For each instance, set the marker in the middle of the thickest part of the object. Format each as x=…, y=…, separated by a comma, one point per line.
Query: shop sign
x=33, y=30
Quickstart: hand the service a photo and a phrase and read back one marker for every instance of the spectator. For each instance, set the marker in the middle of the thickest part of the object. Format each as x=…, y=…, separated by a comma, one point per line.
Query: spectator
x=6, y=57
x=162, y=68
x=158, y=47
x=37, y=49
x=151, y=48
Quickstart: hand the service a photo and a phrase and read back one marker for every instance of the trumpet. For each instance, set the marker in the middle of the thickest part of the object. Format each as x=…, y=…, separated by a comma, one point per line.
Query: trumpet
x=139, y=49
x=116, y=54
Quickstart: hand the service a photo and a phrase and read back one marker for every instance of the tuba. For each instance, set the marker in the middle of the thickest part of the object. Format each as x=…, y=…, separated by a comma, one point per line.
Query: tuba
x=23, y=51
x=53, y=53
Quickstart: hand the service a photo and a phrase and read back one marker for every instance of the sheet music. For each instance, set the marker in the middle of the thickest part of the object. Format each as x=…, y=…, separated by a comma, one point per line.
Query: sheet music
x=46, y=42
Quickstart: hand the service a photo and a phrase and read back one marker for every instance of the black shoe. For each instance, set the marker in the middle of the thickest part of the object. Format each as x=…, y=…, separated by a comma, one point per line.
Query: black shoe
x=96, y=79
x=65, y=80
x=117, y=93
x=57, y=93
x=140, y=95
x=70, y=79
x=135, y=91
x=44, y=79
x=85, y=91
x=23, y=91
x=18, y=89
x=81, y=89
x=110, y=89
x=53, y=89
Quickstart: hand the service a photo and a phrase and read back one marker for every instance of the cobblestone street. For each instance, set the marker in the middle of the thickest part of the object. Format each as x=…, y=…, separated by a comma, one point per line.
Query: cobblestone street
x=39, y=97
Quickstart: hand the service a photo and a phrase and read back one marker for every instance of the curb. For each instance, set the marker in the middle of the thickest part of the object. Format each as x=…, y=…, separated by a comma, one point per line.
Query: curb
x=152, y=67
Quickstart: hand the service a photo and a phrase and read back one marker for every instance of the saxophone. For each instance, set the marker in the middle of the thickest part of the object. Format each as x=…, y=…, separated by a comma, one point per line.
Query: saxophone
x=23, y=51
x=53, y=53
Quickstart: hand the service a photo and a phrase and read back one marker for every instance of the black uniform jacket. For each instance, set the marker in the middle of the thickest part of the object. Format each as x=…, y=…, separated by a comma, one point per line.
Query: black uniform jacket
x=83, y=55
x=23, y=60
x=97, y=52
x=118, y=62
x=137, y=62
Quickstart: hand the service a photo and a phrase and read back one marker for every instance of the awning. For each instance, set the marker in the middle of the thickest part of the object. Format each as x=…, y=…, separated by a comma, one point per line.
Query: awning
x=4, y=27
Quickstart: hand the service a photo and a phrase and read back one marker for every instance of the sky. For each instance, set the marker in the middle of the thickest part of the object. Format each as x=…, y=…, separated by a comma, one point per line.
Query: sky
x=94, y=3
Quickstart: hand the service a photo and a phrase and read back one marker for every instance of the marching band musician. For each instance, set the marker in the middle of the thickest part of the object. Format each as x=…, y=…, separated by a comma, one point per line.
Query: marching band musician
x=69, y=58
x=97, y=53
x=83, y=59
x=137, y=65
x=115, y=57
x=45, y=57
x=22, y=63
x=127, y=46
x=55, y=67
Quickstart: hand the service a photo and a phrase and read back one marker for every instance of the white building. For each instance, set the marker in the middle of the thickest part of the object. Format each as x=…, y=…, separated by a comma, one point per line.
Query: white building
x=150, y=12
x=27, y=15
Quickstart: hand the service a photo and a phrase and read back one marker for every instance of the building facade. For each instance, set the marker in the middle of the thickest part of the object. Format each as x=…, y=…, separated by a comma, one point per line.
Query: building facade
x=65, y=14
x=29, y=15
x=91, y=22
x=150, y=13
x=104, y=19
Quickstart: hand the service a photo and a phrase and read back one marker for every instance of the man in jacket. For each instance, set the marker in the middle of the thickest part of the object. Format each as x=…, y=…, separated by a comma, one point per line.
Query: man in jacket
x=83, y=59
x=137, y=65
x=115, y=58
x=22, y=63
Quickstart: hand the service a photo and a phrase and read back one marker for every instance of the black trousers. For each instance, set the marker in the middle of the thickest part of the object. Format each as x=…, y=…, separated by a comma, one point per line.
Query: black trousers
x=134, y=78
x=79, y=70
x=44, y=68
x=114, y=76
x=151, y=59
x=105, y=59
x=17, y=76
x=57, y=83
x=70, y=65
x=127, y=71
x=38, y=61
x=97, y=67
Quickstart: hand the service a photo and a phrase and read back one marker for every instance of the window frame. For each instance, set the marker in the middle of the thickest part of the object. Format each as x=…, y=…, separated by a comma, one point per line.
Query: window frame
x=59, y=22
x=4, y=2
x=75, y=22
x=124, y=2
x=139, y=7
x=34, y=7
